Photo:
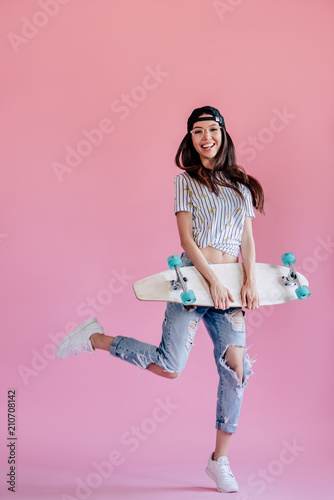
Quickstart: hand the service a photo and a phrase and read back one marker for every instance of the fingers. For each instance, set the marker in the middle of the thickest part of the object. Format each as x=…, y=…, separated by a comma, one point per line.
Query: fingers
x=252, y=301
x=221, y=303
x=222, y=300
x=243, y=298
x=250, y=297
x=230, y=296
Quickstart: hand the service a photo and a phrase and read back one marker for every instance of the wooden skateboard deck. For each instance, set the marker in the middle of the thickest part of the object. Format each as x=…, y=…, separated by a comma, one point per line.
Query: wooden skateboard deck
x=270, y=284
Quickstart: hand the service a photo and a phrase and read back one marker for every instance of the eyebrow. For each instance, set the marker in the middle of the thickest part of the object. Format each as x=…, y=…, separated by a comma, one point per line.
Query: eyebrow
x=210, y=126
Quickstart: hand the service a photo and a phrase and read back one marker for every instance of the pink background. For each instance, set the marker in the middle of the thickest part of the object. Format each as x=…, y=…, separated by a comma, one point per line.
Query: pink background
x=65, y=238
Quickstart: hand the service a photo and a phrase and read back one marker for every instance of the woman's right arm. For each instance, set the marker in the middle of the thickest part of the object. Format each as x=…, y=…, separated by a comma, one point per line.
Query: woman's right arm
x=220, y=295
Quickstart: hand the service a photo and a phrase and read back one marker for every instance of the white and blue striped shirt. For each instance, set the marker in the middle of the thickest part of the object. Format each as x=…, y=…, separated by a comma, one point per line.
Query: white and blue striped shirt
x=218, y=221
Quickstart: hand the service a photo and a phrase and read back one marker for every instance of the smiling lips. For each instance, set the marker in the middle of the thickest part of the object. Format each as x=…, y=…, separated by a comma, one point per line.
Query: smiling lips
x=208, y=146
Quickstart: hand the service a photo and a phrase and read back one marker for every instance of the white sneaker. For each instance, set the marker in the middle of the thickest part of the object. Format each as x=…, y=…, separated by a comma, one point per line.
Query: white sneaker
x=220, y=471
x=78, y=341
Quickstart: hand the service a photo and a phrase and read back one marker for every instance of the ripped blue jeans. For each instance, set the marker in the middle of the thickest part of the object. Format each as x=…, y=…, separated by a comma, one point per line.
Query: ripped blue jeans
x=178, y=332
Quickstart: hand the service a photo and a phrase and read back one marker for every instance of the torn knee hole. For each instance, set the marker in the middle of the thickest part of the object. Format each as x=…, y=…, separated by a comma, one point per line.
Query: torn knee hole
x=232, y=359
x=234, y=354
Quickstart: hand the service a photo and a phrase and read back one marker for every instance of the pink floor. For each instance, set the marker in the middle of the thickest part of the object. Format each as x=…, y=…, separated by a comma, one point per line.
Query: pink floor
x=168, y=482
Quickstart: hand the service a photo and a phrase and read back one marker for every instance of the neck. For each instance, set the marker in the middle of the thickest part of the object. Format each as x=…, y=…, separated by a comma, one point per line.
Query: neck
x=208, y=163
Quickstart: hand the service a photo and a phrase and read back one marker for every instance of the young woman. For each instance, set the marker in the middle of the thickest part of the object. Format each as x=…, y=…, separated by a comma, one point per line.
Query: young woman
x=214, y=200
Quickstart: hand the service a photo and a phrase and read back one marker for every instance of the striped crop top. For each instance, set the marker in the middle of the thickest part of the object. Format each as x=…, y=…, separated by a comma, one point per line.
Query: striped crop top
x=218, y=221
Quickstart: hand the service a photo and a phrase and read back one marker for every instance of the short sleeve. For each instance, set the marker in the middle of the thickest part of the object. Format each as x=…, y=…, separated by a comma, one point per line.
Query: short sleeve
x=182, y=201
x=249, y=203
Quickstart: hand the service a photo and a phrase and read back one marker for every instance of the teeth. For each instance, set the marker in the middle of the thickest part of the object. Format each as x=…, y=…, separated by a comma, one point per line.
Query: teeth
x=207, y=146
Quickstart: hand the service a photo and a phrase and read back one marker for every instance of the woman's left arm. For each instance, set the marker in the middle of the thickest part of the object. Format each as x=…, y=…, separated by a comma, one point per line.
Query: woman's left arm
x=249, y=293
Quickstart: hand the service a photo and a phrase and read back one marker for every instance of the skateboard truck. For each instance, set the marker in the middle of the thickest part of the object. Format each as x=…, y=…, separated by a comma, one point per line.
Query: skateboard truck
x=291, y=279
x=187, y=296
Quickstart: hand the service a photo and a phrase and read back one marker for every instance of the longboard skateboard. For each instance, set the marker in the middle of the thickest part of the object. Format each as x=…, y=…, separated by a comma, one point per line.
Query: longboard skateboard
x=185, y=285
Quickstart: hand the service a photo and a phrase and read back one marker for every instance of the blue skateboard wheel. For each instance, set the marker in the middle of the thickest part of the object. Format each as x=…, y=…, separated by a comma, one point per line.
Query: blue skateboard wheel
x=288, y=258
x=303, y=292
x=188, y=298
x=174, y=261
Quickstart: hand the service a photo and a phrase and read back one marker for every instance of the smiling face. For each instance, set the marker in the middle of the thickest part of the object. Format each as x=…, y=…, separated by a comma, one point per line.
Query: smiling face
x=207, y=139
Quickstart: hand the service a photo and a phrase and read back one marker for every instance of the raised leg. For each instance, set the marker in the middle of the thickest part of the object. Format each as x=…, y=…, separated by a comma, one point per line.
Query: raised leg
x=101, y=341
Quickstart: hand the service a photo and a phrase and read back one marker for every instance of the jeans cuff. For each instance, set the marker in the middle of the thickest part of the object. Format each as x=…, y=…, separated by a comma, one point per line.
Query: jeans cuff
x=230, y=428
x=114, y=345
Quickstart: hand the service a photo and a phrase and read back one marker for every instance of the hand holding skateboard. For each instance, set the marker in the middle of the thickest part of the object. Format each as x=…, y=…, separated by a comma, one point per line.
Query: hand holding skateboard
x=276, y=284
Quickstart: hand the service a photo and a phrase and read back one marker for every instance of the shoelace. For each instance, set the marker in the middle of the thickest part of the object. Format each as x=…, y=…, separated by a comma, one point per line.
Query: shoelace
x=73, y=347
x=225, y=470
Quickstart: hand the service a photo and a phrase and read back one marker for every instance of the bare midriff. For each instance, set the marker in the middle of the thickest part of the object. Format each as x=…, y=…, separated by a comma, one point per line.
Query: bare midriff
x=216, y=256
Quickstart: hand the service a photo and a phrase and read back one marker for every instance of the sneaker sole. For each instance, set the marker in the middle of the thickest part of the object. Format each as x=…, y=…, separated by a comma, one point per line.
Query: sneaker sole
x=64, y=341
x=221, y=490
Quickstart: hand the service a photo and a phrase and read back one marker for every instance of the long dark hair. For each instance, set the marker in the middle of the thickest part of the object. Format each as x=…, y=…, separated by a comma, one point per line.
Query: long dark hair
x=226, y=172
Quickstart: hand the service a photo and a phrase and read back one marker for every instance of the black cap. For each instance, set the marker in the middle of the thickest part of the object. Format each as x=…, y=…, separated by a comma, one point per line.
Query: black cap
x=209, y=110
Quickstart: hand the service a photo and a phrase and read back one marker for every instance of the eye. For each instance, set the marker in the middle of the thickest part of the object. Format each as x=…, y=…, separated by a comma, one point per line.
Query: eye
x=197, y=132
x=214, y=130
